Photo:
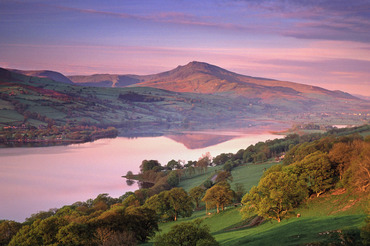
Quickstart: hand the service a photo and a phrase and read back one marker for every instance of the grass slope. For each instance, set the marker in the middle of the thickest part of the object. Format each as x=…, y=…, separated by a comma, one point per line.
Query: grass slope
x=322, y=220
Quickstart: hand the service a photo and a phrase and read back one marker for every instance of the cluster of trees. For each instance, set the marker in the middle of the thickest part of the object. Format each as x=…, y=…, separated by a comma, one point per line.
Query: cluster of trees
x=132, y=96
x=155, y=178
x=127, y=220
x=187, y=234
x=310, y=168
x=102, y=221
x=163, y=180
x=263, y=151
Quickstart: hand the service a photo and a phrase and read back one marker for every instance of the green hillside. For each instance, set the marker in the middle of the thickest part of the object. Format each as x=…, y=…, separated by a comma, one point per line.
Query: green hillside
x=334, y=215
x=33, y=103
x=317, y=195
x=28, y=103
x=324, y=220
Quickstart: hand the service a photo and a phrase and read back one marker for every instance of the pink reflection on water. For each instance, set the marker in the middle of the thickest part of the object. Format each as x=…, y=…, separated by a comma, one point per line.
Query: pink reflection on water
x=35, y=179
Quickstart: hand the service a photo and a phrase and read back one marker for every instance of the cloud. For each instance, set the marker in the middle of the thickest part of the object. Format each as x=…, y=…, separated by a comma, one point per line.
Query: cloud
x=178, y=18
x=321, y=19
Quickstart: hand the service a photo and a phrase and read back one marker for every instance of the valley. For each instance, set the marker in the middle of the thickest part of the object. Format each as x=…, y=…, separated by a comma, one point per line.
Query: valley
x=188, y=98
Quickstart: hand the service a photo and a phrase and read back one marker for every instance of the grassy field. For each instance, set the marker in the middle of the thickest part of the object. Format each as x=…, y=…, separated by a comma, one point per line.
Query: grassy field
x=323, y=220
x=247, y=174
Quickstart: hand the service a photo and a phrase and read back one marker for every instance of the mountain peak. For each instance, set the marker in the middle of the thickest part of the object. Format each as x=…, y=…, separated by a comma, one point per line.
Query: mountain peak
x=200, y=66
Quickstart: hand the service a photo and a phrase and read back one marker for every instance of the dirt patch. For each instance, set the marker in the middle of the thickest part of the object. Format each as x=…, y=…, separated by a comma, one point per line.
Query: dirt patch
x=350, y=204
x=256, y=221
x=338, y=192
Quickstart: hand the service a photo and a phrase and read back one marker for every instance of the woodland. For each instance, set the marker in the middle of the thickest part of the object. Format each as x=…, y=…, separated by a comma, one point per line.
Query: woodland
x=304, y=168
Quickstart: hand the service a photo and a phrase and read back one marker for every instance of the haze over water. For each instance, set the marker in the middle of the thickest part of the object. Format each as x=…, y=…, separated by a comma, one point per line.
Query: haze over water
x=37, y=179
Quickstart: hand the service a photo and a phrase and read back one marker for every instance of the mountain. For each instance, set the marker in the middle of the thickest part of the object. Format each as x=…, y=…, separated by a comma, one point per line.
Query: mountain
x=56, y=76
x=139, y=110
x=204, y=78
x=170, y=104
x=200, y=77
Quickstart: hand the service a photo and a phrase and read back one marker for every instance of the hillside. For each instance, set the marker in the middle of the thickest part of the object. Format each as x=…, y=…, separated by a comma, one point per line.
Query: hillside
x=32, y=102
x=333, y=218
x=320, y=224
x=200, y=77
x=106, y=80
x=197, y=96
x=56, y=76
x=204, y=78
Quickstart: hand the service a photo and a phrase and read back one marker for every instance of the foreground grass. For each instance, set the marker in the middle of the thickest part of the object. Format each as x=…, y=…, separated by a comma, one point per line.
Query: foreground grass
x=318, y=224
x=294, y=231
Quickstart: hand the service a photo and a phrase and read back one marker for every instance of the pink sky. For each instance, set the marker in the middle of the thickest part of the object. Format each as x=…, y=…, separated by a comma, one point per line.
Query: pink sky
x=321, y=43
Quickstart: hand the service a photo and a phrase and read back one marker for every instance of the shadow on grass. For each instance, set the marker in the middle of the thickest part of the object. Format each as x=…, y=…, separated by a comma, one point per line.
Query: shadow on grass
x=295, y=231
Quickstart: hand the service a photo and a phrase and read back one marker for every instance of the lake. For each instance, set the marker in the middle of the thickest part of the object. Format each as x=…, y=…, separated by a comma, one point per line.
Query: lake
x=37, y=179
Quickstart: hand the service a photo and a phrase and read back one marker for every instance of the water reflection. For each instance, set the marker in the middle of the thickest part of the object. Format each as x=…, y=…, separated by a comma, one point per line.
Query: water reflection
x=198, y=141
x=34, y=179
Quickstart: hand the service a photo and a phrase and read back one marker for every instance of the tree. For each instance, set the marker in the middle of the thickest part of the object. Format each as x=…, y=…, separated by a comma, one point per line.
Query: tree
x=172, y=164
x=171, y=204
x=131, y=200
x=218, y=196
x=156, y=203
x=8, y=229
x=276, y=194
x=228, y=166
x=239, y=192
x=143, y=222
x=341, y=154
x=129, y=175
x=196, y=193
x=221, y=159
x=26, y=237
x=150, y=165
x=187, y=234
x=316, y=170
x=179, y=203
x=173, y=179
x=204, y=162
x=74, y=234
x=360, y=166
x=223, y=176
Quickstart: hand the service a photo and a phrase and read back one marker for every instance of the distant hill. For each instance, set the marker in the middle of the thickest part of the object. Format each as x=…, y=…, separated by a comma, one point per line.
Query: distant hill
x=204, y=78
x=362, y=97
x=106, y=80
x=194, y=97
x=56, y=76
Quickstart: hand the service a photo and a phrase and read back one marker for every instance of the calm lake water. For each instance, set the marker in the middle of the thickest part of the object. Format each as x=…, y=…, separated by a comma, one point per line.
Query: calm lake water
x=37, y=179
